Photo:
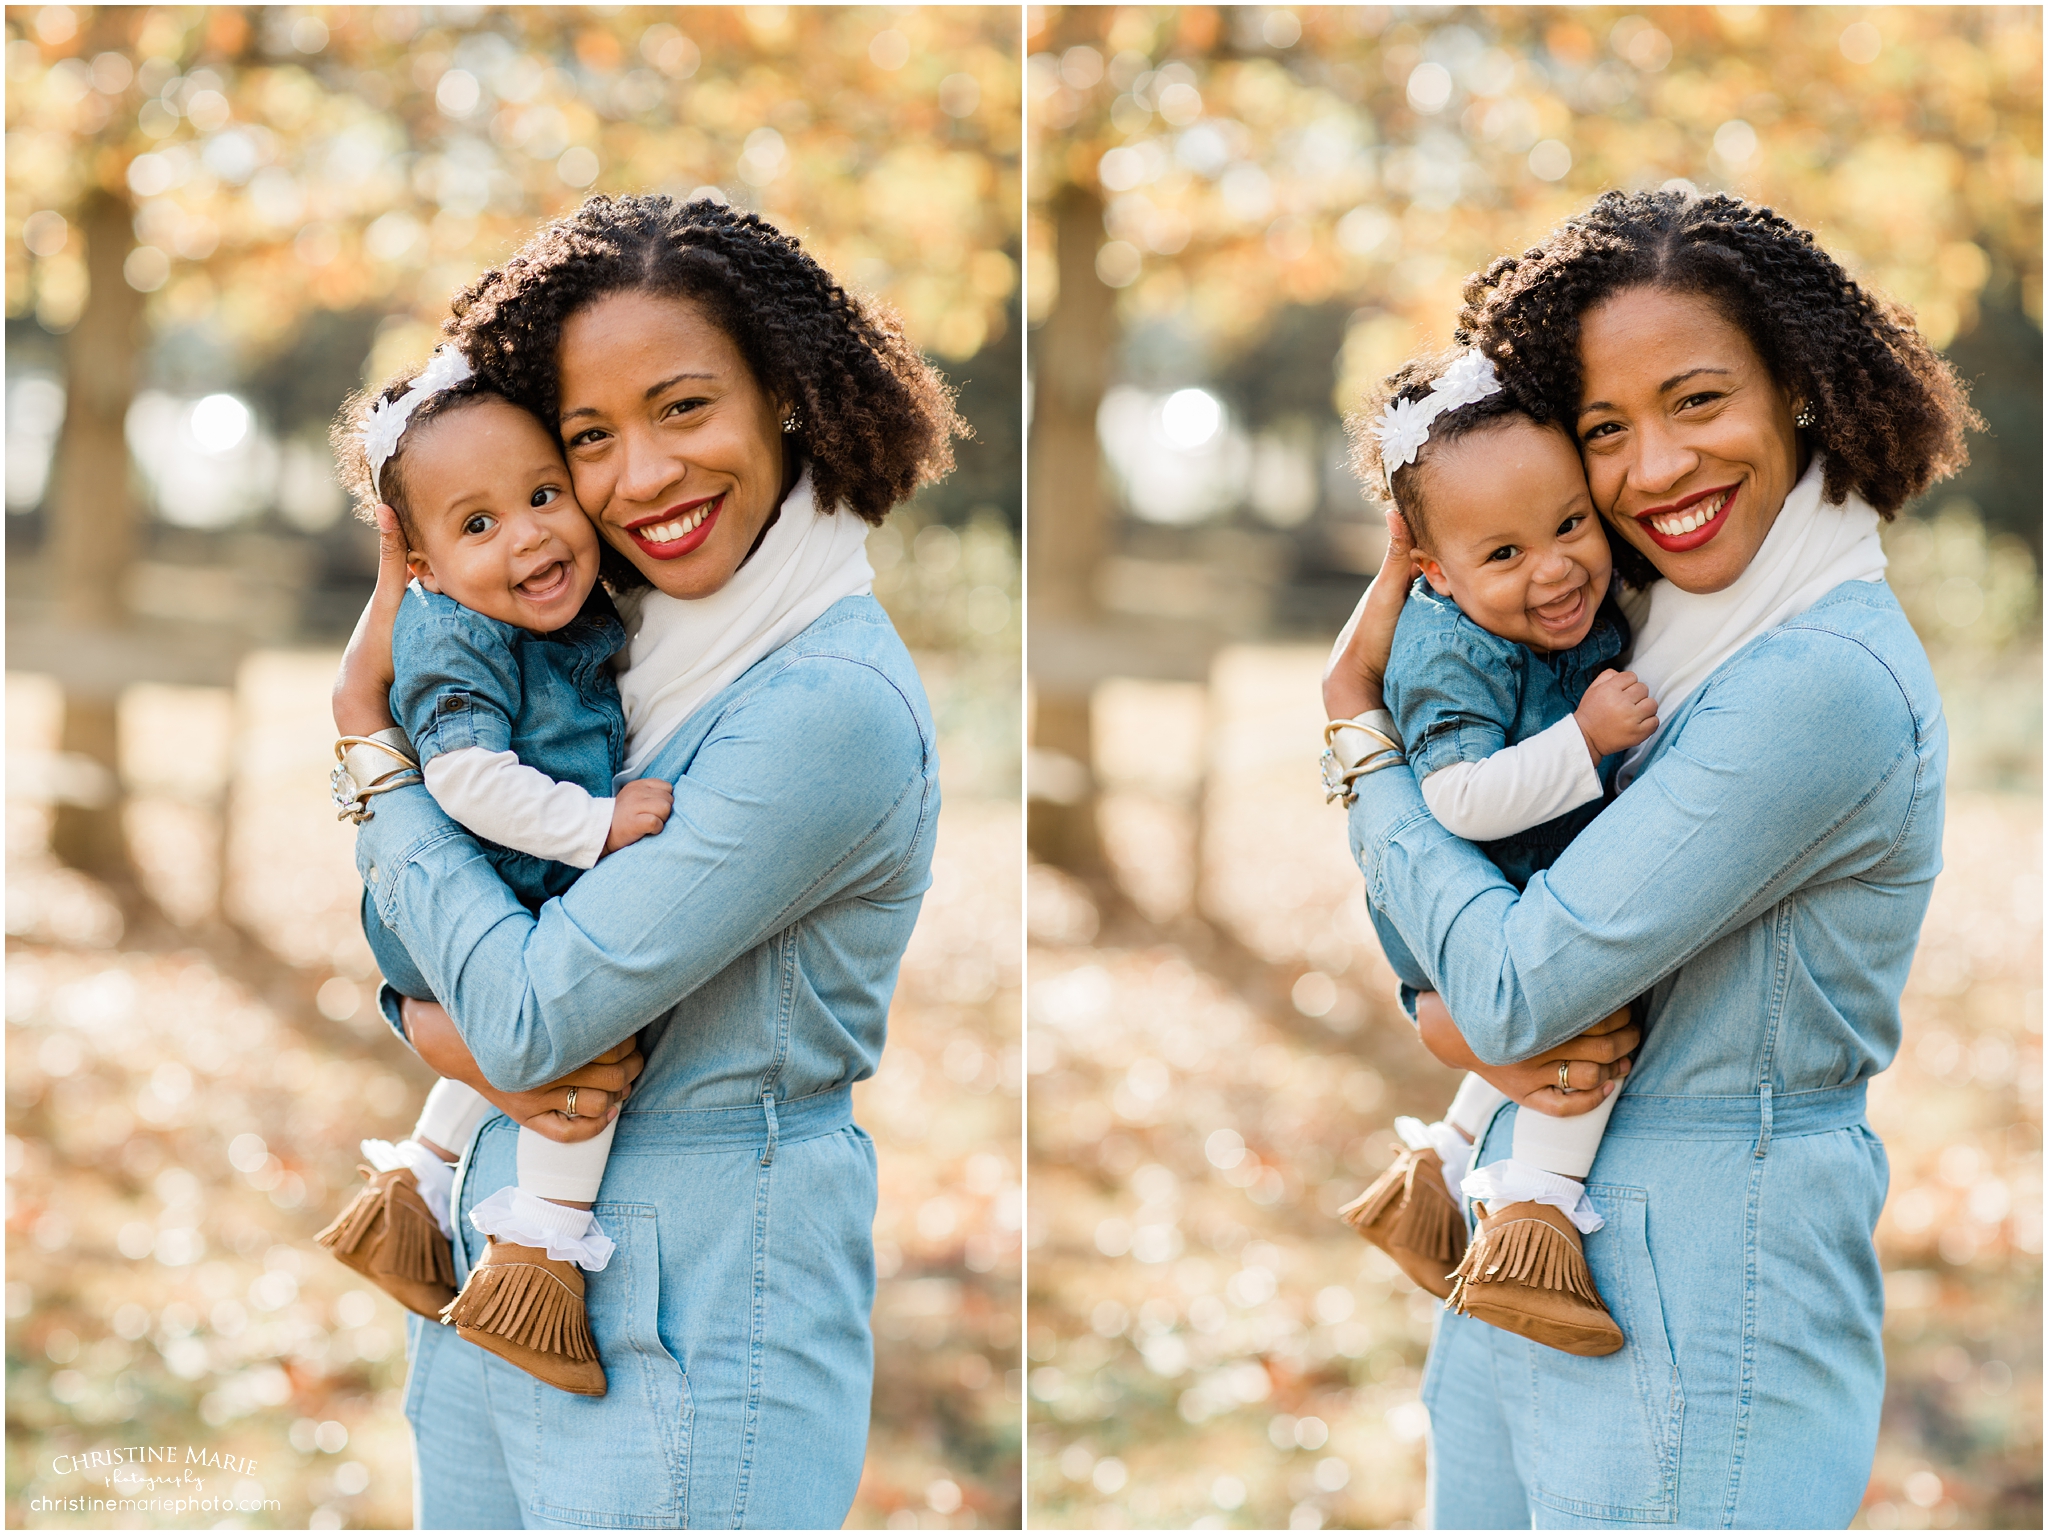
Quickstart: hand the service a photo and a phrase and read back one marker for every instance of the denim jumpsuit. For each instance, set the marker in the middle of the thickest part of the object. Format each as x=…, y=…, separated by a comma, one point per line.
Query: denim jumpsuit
x=463, y=679
x=754, y=943
x=1767, y=874
x=1459, y=693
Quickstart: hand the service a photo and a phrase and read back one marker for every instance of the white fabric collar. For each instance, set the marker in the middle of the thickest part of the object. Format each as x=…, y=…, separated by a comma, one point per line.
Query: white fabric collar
x=681, y=651
x=1683, y=638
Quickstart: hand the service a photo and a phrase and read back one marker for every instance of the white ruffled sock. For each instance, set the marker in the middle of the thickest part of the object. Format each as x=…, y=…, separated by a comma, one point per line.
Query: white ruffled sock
x=1452, y=1149
x=1508, y=1182
x=435, y=1177
x=569, y=1235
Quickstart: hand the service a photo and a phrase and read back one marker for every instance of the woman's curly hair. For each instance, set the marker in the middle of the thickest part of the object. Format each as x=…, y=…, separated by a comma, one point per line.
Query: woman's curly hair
x=873, y=419
x=1888, y=412
x=1413, y=380
x=352, y=458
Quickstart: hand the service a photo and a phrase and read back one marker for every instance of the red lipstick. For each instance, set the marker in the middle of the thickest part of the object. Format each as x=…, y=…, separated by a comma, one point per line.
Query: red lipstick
x=1720, y=498
x=675, y=549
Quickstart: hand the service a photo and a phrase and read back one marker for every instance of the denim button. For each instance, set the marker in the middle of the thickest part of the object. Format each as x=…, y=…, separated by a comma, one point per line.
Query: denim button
x=373, y=874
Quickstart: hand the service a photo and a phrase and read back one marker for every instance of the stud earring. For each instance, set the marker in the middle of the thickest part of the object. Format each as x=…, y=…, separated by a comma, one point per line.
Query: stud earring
x=1803, y=417
x=791, y=424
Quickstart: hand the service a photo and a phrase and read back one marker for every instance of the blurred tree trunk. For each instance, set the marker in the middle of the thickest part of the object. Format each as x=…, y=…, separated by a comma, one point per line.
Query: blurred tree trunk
x=1067, y=516
x=92, y=521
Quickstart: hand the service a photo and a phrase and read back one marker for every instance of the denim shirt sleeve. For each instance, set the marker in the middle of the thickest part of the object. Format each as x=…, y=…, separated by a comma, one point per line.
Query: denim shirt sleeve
x=787, y=804
x=1757, y=794
x=457, y=680
x=1453, y=688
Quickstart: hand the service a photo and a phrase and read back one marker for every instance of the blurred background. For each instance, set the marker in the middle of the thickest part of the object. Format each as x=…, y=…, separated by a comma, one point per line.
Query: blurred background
x=1240, y=218
x=219, y=221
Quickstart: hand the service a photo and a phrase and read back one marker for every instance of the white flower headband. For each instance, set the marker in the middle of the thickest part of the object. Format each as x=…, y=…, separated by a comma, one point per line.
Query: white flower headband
x=444, y=370
x=1403, y=427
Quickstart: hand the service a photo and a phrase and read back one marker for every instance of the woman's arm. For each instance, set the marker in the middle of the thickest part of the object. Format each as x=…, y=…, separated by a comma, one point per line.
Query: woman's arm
x=1354, y=676
x=600, y=1086
x=810, y=790
x=362, y=689
x=1595, y=1062
x=1753, y=797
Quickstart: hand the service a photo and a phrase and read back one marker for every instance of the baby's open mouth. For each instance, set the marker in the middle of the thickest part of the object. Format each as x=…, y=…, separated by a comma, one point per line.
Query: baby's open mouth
x=1562, y=613
x=548, y=582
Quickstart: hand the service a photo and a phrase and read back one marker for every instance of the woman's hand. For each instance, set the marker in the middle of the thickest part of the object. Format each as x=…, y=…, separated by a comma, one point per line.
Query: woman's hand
x=1358, y=661
x=1597, y=1060
x=601, y=1086
x=362, y=689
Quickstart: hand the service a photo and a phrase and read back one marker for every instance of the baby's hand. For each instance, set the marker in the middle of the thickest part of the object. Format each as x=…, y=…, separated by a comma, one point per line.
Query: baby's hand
x=639, y=809
x=1616, y=713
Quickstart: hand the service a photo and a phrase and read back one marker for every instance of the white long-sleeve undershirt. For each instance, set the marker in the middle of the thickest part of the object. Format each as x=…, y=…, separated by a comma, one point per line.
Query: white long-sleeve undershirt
x=1518, y=787
x=497, y=796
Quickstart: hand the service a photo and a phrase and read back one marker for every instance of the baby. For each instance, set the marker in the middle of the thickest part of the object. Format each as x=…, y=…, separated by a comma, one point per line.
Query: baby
x=1501, y=690
x=504, y=692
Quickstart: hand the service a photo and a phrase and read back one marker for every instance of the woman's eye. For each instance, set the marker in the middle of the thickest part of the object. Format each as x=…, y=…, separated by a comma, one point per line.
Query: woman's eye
x=584, y=439
x=477, y=524
x=1504, y=552
x=1604, y=429
x=1697, y=399
x=682, y=407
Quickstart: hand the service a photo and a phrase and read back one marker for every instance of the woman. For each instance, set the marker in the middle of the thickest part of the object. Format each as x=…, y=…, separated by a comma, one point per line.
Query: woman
x=732, y=420
x=1762, y=877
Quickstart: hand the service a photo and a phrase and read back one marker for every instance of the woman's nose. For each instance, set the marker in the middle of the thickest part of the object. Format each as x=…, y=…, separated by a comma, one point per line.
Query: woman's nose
x=647, y=471
x=1662, y=461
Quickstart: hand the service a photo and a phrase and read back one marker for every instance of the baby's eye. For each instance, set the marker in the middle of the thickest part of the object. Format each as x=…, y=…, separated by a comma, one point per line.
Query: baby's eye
x=480, y=523
x=1570, y=524
x=546, y=495
x=1504, y=552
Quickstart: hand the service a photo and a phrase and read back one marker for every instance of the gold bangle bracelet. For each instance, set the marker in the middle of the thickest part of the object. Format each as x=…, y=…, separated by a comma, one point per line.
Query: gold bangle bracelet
x=1330, y=733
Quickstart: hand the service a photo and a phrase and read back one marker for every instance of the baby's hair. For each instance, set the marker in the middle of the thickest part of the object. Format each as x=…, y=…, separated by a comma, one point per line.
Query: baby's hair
x=352, y=457
x=1412, y=381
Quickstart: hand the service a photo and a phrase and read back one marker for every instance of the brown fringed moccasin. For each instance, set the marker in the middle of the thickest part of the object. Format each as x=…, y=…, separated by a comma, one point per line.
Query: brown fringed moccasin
x=1526, y=1273
x=1410, y=1216
x=527, y=1308
x=387, y=1235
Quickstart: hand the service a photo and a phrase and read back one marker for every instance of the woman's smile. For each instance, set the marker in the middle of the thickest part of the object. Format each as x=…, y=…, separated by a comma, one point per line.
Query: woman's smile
x=674, y=533
x=1691, y=522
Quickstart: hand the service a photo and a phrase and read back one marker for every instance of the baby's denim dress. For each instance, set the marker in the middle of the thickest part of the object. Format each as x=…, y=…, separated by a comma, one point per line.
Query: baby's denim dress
x=463, y=679
x=1460, y=694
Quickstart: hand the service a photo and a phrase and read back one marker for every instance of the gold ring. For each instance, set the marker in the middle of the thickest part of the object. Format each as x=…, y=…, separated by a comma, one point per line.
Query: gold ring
x=571, y=1110
x=1564, y=1076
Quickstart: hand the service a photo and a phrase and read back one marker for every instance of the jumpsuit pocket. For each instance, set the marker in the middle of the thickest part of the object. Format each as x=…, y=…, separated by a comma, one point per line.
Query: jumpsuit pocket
x=620, y=1461
x=1607, y=1430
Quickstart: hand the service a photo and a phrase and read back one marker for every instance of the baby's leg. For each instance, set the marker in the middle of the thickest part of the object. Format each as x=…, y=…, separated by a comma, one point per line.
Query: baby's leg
x=1551, y=1158
x=550, y=1207
x=452, y=1113
x=1473, y=1105
x=454, y=1110
x=1452, y=1137
x=1565, y=1147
